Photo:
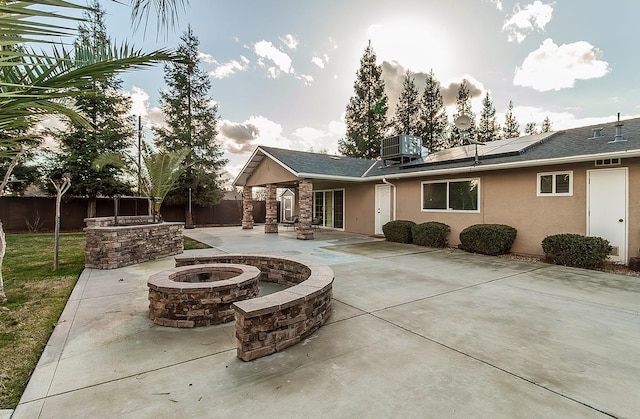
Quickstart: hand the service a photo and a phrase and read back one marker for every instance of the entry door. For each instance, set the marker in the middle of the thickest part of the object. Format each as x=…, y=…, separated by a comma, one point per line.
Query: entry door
x=607, y=209
x=383, y=207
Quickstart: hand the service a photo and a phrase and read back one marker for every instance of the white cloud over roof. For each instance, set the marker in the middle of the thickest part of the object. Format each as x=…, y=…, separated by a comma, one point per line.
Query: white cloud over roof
x=534, y=16
x=282, y=61
x=318, y=61
x=553, y=67
x=290, y=41
x=229, y=68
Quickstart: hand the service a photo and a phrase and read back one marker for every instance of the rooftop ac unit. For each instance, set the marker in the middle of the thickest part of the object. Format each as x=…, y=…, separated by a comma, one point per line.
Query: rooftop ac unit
x=401, y=149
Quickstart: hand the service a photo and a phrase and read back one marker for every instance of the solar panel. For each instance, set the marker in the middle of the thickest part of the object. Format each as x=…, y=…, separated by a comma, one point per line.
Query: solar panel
x=492, y=149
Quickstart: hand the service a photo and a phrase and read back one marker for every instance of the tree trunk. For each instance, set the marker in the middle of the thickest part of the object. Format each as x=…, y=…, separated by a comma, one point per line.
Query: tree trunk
x=3, y=247
x=91, y=208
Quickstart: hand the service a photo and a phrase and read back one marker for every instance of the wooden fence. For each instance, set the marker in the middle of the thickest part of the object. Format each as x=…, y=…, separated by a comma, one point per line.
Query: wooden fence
x=23, y=214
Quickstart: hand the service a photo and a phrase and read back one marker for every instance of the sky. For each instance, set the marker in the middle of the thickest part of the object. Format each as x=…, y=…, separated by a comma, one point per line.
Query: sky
x=282, y=71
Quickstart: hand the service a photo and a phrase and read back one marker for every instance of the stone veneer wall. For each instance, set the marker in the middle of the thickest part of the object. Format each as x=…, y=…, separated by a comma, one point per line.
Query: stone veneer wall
x=109, y=246
x=175, y=303
x=276, y=321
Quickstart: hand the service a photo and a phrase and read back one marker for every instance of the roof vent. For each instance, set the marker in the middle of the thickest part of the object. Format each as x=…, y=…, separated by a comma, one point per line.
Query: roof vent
x=618, y=138
x=597, y=133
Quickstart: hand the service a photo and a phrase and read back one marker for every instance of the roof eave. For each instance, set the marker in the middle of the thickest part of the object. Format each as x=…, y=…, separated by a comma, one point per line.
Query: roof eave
x=512, y=165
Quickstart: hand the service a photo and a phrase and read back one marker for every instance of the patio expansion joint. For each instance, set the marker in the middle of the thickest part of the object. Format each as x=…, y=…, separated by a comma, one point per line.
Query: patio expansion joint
x=114, y=380
x=490, y=365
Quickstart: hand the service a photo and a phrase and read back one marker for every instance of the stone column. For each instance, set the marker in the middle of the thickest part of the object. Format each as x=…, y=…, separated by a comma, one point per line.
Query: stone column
x=305, y=208
x=271, y=219
x=247, y=208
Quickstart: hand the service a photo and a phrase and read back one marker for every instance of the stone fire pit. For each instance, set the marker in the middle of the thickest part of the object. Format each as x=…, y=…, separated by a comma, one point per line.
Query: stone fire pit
x=200, y=295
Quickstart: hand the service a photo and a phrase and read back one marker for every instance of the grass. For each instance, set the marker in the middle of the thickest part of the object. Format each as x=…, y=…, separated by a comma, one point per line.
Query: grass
x=190, y=244
x=36, y=296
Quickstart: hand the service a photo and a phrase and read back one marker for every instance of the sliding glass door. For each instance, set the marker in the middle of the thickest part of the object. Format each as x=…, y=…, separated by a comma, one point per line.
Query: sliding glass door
x=329, y=207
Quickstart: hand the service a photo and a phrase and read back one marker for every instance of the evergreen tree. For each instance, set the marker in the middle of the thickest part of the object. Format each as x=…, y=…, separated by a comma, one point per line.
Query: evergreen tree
x=511, y=125
x=366, y=114
x=106, y=109
x=488, y=128
x=546, y=125
x=463, y=107
x=407, y=118
x=433, y=116
x=531, y=129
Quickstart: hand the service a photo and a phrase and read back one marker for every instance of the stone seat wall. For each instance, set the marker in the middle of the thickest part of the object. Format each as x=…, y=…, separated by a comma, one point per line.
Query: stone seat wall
x=110, y=246
x=276, y=321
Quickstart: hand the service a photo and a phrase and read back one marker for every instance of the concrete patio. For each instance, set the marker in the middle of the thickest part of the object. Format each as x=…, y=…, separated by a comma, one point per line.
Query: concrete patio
x=415, y=332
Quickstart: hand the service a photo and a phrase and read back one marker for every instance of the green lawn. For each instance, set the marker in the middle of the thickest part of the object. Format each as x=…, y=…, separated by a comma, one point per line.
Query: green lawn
x=36, y=296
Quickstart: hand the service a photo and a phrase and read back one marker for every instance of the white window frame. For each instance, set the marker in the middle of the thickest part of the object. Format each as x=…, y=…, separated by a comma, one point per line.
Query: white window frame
x=553, y=183
x=449, y=210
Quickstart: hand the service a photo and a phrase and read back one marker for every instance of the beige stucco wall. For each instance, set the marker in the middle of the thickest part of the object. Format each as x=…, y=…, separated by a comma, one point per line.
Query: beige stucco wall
x=269, y=172
x=509, y=197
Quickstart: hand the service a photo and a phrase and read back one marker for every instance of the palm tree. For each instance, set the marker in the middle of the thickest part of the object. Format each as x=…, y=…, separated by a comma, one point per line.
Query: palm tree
x=158, y=175
x=35, y=84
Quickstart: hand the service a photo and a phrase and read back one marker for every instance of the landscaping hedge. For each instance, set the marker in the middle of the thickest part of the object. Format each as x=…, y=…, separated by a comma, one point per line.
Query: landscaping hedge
x=398, y=231
x=432, y=234
x=488, y=239
x=576, y=250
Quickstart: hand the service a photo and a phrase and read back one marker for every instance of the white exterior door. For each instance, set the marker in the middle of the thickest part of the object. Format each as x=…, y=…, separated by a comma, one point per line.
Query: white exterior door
x=607, y=209
x=383, y=207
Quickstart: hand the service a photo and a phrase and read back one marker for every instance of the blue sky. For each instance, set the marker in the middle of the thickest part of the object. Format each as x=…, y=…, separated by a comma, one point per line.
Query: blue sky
x=282, y=72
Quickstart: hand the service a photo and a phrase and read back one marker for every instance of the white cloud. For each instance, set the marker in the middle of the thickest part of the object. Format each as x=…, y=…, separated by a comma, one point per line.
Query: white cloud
x=265, y=49
x=139, y=101
x=497, y=3
x=307, y=79
x=243, y=137
x=207, y=58
x=290, y=41
x=553, y=67
x=318, y=61
x=229, y=68
x=534, y=16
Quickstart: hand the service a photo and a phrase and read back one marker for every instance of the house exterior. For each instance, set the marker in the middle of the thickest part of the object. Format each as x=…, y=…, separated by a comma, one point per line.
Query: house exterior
x=583, y=180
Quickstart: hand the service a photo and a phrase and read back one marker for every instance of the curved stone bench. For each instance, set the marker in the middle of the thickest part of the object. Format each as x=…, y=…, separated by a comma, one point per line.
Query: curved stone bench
x=200, y=295
x=276, y=321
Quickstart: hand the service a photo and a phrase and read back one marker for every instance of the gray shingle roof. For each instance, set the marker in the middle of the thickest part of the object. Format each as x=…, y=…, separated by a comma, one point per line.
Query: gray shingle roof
x=320, y=164
x=574, y=144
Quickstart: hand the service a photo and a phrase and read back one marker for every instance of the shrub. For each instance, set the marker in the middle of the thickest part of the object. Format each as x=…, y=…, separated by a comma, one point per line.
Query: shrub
x=432, y=234
x=488, y=239
x=576, y=250
x=398, y=231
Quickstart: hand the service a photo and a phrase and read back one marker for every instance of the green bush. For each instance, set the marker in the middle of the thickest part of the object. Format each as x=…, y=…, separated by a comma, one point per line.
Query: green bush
x=432, y=234
x=576, y=250
x=488, y=239
x=398, y=231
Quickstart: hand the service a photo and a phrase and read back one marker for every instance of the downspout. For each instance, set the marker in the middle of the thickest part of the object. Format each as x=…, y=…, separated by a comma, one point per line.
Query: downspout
x=385, y=181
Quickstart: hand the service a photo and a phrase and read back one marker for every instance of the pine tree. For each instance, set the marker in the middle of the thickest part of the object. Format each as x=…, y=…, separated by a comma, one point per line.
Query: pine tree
x=488, y=128
x=511, y=125
x=433, y=116
x=531, y=128
x=463, y=107
x=191, y=122
x=546, y=125
x=366, y=114
x=106, y=108
x=407, y=118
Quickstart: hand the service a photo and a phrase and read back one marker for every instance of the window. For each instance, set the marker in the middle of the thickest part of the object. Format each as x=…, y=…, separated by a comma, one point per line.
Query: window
x=451, y=195
x=555, y=184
